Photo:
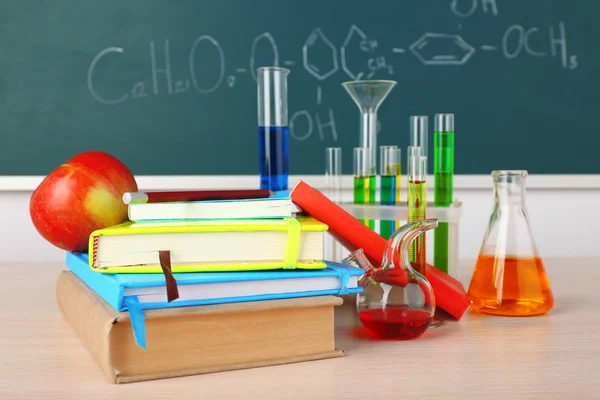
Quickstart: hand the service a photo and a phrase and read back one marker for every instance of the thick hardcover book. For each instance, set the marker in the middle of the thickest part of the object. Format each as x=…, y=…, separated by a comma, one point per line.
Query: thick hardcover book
x=139, y=292
x=200, y=339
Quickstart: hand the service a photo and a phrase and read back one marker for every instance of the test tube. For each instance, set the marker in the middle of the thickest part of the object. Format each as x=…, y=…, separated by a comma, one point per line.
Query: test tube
x=413, y=151
x=333, y=184
x=417, y=205
x=418, y=132
x=443, y=172
x=390, y=175
x=273, y=128
x=333, y=173
x=364, y=180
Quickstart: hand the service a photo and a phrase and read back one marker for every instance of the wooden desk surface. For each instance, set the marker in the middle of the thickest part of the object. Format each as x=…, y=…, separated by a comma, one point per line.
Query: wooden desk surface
x=479, y=357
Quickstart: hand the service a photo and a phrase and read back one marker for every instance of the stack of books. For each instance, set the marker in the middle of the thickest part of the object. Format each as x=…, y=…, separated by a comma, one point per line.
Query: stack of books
x=191, y=287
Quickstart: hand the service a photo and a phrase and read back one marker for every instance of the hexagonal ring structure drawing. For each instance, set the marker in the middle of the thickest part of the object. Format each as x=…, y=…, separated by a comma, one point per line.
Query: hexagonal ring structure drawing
x=312, y=68
x=354, y=30
x=448, y=49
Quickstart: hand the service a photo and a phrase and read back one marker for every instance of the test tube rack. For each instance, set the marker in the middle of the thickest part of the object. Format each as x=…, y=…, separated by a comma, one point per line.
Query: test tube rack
x=448, y=214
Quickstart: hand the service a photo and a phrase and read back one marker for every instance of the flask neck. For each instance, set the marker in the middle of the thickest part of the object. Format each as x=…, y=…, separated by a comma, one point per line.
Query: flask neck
x=396, y=253
x=509, y=188
x=359, y=259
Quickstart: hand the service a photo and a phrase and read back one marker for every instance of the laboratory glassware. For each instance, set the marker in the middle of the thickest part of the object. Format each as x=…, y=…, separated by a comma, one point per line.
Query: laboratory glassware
x=333, y=185
x=397, y=302
x=417, y=203
x=273, y=136
x=368, y=96
x=390, y=179
x=509, y=277
x=419, y=132
x=443, y=186
x=365, y=181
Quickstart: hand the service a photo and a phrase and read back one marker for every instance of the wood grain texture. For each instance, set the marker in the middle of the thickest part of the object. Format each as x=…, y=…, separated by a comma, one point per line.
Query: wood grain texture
x=480, y=357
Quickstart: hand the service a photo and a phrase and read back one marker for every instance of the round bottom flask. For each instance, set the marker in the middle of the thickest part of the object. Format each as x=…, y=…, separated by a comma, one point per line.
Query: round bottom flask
x=397, y=302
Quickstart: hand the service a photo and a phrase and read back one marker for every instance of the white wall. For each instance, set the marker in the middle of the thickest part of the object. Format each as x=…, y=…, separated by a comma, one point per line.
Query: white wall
x=563, y=221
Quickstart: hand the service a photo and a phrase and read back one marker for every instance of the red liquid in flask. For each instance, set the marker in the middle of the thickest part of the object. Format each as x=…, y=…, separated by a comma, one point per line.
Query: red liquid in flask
x=395, y=323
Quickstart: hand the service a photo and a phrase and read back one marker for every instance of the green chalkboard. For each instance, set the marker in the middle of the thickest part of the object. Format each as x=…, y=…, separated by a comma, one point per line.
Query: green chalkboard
x=169, y=86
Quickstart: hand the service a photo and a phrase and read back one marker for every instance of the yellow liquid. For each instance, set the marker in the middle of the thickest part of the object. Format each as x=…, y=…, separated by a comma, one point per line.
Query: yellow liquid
x=417, y=204
x=364, y=193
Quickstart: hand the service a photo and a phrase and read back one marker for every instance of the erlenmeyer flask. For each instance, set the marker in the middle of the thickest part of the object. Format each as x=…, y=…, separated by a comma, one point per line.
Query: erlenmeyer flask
x=509, y=277
x=396, y=302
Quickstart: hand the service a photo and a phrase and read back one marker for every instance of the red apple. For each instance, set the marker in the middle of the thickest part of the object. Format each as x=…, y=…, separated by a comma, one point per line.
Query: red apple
x=80, y=196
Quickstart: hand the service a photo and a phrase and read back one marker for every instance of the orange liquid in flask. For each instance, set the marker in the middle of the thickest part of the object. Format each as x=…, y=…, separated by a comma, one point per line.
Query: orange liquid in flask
x=510, y=286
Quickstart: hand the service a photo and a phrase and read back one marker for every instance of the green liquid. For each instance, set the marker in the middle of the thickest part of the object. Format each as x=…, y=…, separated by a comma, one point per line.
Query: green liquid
x=390, y=195
x=417, y=206
x=364, y=193
x=441, y=248
x=443, y=192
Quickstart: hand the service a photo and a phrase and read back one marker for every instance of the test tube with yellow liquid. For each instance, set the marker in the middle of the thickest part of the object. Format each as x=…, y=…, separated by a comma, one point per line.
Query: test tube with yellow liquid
x=417, y=204
x=365, y=180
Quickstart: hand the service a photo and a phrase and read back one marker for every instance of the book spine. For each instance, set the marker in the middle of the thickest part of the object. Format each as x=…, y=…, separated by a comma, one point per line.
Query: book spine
x=91, y=321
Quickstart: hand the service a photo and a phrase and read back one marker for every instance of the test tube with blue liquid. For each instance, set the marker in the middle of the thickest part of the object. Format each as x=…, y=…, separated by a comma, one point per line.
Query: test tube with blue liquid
x=273, y=128
x=390, y=177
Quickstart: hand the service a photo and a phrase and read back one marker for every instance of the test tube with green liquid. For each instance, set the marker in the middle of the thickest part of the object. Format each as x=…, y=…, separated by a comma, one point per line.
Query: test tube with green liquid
x=417, y=204
x=390, y=175
x=443, y=192
x=364, y=180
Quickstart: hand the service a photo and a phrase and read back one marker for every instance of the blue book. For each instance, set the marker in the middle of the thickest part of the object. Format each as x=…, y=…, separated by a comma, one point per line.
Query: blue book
x=138, y=292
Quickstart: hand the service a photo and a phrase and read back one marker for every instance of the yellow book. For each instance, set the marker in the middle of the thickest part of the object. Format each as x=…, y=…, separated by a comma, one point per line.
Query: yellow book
x=209, y=245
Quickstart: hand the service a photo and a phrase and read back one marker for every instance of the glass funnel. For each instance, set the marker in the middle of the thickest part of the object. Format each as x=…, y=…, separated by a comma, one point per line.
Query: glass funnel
x=509, y=277
x=368, y=96
x=397, y=302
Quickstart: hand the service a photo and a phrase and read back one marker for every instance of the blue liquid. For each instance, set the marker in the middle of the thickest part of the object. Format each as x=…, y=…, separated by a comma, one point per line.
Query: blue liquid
x=273, y=157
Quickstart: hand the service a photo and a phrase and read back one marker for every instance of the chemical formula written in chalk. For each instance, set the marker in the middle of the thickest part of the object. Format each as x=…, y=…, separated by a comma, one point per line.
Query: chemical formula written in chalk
x=358, y=56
